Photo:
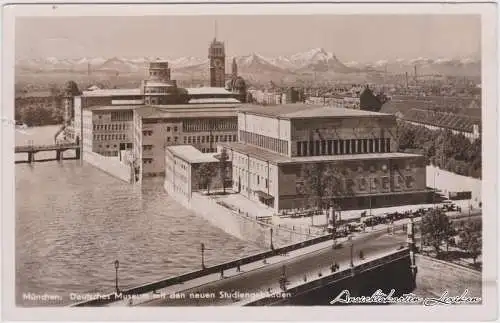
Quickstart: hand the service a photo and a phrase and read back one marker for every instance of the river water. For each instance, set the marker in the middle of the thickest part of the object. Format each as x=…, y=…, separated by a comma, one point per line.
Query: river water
x=73, y=221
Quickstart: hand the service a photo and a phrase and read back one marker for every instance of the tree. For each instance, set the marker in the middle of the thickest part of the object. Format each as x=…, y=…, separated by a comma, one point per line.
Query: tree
x=223, y=158
x=71, y=88
x=436, y=228
x=321, y=184
x=206, y=173
x=471, y=239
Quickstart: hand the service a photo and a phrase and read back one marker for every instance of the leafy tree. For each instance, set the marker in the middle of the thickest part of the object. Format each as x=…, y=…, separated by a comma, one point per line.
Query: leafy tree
x=206, y=173
x=223, y=165
x=436, y=228
x=471, y=239
x=71, y=88
x=322, y=183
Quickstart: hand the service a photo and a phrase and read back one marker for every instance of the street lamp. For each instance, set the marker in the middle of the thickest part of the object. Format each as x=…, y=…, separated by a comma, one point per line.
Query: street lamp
x=352, y=250
x=117, y=265
x=202, y=256
x=271, y=233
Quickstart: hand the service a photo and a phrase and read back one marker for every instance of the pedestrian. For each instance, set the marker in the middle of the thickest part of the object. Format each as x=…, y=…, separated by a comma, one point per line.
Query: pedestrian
x=361, y=255
x=221, y=273
x=238, y=267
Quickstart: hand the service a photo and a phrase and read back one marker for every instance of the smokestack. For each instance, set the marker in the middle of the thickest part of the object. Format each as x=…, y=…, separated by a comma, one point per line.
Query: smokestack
x=415, y=68
x=406, y=76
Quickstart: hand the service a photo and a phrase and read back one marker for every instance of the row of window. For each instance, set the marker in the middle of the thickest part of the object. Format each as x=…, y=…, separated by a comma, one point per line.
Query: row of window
x=370, y=184
x=118, y=136
x=242, y=176
x=213, y=138
x=161, y=90
x=112, y=127
x=165, y=72
x=175, y=139
x=274, y=144
x=343, y=147
x=254, y=164
x=123, y=146
x=122, y=116
x=210, y=125
x=109, y=153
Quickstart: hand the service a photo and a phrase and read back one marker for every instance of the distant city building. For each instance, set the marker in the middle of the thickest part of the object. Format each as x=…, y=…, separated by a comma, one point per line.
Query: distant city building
x=460, y=116
x=276, y=143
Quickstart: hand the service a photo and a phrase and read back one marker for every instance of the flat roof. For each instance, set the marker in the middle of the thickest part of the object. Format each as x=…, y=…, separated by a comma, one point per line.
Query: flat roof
x=207, y=90
x=192, y=155
x=307, y=111
x=112, y=92
x=113, y=107
x=214, y=100
x=276, y=158
x=157, y=83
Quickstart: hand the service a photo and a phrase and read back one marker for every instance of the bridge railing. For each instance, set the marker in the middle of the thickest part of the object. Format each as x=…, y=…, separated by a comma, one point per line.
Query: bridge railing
x=337, y=276
x=149, y=287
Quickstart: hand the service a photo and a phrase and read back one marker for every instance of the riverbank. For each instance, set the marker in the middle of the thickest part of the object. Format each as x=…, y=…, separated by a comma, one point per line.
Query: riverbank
x=247, y=227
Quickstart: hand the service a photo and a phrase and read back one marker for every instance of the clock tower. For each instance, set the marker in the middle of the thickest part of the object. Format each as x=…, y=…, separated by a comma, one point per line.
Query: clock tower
x=217, y=63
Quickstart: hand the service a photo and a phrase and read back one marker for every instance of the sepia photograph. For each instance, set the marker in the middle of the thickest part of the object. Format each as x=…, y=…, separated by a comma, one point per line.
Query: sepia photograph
x=251, y=160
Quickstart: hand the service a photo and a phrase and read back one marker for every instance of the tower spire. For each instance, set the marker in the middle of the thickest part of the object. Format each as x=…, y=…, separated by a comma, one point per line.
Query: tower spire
x=215, y=29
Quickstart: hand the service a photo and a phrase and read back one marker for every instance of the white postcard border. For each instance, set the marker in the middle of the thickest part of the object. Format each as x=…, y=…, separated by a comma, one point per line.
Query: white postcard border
x=489, y=53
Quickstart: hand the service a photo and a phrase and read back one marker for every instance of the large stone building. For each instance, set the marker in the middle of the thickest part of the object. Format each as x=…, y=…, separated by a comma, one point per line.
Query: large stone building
x=145, y=120
x=276, y=143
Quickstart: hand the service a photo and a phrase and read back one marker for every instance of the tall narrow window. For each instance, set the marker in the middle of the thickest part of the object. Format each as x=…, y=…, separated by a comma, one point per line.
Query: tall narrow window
x=299, y=148
x=388, y=145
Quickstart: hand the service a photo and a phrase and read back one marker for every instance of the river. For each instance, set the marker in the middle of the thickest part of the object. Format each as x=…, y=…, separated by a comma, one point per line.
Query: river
x=73, y=221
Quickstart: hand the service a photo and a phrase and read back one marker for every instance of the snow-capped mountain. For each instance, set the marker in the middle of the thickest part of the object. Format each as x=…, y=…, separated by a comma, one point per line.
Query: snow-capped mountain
x=316, y=60
x=255, y=63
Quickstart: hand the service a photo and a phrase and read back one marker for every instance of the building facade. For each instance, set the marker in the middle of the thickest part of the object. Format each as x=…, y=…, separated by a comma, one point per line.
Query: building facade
x=275, y=145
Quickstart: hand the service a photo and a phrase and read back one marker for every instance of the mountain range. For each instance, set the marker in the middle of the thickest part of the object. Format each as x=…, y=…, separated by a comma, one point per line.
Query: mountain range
x=315, y=62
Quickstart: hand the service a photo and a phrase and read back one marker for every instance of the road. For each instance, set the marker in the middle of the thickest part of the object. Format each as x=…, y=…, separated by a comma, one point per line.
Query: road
x=259, y=280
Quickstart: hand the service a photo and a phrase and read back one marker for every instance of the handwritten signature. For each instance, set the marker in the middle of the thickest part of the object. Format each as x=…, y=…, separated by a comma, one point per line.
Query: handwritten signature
x=379, y=297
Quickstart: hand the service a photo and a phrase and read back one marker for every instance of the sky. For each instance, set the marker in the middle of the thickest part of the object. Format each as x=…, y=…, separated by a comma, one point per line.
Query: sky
x=350, y=37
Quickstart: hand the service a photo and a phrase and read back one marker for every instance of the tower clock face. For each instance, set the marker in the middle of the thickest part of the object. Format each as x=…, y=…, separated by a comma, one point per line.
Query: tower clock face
x=218, y=63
